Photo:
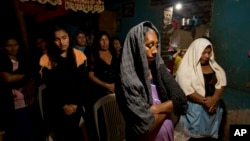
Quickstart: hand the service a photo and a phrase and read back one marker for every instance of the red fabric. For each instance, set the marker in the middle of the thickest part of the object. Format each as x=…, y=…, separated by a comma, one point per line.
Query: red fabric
x=42, y=12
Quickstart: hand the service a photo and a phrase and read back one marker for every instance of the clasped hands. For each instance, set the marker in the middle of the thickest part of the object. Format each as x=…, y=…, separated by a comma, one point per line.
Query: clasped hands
x=210, y=103
x=69, y=109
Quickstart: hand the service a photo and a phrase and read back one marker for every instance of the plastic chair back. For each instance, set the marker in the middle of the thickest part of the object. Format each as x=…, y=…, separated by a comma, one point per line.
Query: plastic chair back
x=40, y=97
x=115, y=125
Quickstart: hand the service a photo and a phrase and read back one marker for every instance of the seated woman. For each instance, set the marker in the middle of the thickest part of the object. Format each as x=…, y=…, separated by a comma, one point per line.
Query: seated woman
x=146, y=92
x=102, y=71
x=102, y=67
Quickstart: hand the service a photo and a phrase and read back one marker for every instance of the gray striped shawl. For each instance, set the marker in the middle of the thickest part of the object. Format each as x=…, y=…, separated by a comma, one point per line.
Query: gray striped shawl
x=133, y=90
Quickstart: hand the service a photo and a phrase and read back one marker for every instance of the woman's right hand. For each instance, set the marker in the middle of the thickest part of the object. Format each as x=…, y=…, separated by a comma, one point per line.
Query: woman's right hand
x=110, y=87
x=69, y=109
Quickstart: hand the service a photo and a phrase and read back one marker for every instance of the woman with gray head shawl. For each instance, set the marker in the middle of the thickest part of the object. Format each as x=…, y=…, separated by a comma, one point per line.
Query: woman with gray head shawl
x=146, y=92
x=203, y=81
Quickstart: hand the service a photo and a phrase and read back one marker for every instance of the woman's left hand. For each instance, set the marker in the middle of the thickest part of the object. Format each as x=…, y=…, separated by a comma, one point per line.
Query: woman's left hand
x=210, y=103
x=212, y=109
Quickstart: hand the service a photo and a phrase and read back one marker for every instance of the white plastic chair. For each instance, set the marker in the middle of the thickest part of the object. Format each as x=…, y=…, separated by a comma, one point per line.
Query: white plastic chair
x=40, y=98
x=115, y=125
x=41, y=89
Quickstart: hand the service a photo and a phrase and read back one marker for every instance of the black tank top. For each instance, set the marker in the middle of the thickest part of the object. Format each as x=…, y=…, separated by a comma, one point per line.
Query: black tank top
x=210, y=81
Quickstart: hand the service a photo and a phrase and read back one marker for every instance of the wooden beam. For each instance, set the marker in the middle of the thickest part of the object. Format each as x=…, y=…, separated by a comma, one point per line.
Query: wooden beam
x=22, y=25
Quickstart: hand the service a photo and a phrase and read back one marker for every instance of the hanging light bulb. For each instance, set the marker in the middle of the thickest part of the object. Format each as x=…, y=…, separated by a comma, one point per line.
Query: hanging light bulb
x=178, y=6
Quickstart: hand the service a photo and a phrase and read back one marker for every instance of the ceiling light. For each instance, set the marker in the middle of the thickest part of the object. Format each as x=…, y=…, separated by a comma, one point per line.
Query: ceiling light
x=178, y=6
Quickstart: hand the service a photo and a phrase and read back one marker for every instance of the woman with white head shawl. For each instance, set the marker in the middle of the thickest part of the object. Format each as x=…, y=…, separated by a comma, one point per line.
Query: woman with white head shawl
x=146, y=92
x=203, y=81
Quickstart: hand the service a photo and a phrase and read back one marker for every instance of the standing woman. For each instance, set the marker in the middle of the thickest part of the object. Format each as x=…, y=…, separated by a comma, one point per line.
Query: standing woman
x=147, y=94
x=203, y=82
x=15, y=75
x=63, y=69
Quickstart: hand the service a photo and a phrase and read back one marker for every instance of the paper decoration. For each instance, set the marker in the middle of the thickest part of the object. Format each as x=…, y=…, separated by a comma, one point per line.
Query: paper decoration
x=76, y=5
x=53, y=2
x=85, y=5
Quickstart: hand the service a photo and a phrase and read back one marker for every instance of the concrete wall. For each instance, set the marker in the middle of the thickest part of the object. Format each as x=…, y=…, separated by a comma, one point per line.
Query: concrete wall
x=143, y=11
x=230, y=34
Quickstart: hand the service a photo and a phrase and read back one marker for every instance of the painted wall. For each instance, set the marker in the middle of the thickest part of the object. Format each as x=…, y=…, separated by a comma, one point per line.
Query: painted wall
x=143, y=11
x=230, y=34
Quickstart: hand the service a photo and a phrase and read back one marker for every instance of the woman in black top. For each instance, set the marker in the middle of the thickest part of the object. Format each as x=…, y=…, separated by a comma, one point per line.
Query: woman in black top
x=102, y=66
x=102, y=71
x=63, y=71
x=15, y=101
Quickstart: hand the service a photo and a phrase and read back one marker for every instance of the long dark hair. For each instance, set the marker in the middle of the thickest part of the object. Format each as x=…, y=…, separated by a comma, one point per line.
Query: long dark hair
x=22, y=56
x=97, y=46
x=53, y=51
